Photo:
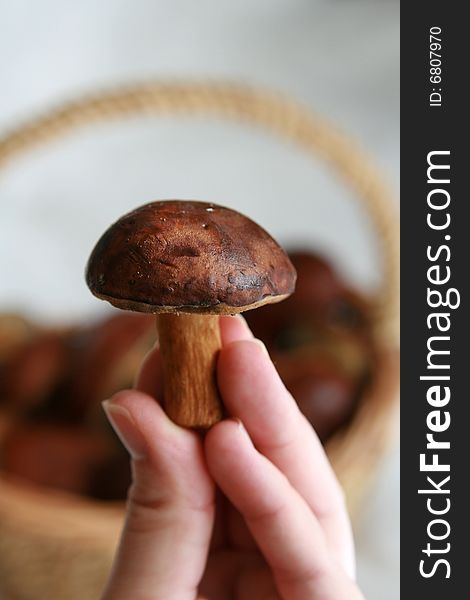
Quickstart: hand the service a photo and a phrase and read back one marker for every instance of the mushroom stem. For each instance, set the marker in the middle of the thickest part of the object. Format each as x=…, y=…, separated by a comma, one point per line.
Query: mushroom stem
x=189, y=344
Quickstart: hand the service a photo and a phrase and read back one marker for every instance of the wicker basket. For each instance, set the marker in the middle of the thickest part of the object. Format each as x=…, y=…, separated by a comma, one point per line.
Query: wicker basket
x=54, y=545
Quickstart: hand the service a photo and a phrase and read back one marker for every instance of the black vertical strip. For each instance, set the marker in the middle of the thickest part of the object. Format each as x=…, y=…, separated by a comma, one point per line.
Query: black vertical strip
x=429, y=128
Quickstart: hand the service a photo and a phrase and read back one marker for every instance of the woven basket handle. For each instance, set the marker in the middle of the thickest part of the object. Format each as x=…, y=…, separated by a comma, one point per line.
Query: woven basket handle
x=276, y=113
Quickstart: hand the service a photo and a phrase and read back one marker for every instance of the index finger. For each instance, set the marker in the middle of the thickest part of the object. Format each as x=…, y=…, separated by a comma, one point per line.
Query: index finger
x=253, y=391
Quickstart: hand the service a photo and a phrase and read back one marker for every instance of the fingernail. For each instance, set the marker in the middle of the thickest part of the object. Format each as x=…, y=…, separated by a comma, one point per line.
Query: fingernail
x=260, y=344
x=241, y=427
x=126, y=429
x=244, y=323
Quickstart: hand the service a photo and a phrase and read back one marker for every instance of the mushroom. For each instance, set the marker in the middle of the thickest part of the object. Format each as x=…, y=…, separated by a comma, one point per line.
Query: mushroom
x=189, y=262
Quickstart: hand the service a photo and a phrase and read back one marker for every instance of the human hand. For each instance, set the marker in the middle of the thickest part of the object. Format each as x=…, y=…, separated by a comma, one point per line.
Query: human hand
x=251, y=512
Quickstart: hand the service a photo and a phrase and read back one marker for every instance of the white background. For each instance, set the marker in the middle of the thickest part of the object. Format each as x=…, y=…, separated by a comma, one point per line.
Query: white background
x=340, y=58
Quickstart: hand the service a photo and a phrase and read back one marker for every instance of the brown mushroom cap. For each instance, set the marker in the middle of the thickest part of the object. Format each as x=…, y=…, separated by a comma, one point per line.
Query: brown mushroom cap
x=188, y=256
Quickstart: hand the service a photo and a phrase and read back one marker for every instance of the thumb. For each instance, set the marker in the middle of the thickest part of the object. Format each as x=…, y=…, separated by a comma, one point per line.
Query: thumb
x=170, y=509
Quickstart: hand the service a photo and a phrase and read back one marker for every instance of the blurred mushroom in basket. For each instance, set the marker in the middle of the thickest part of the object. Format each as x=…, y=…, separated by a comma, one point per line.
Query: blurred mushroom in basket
x=52, y=381
x=320, y=341
x=51, y=385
